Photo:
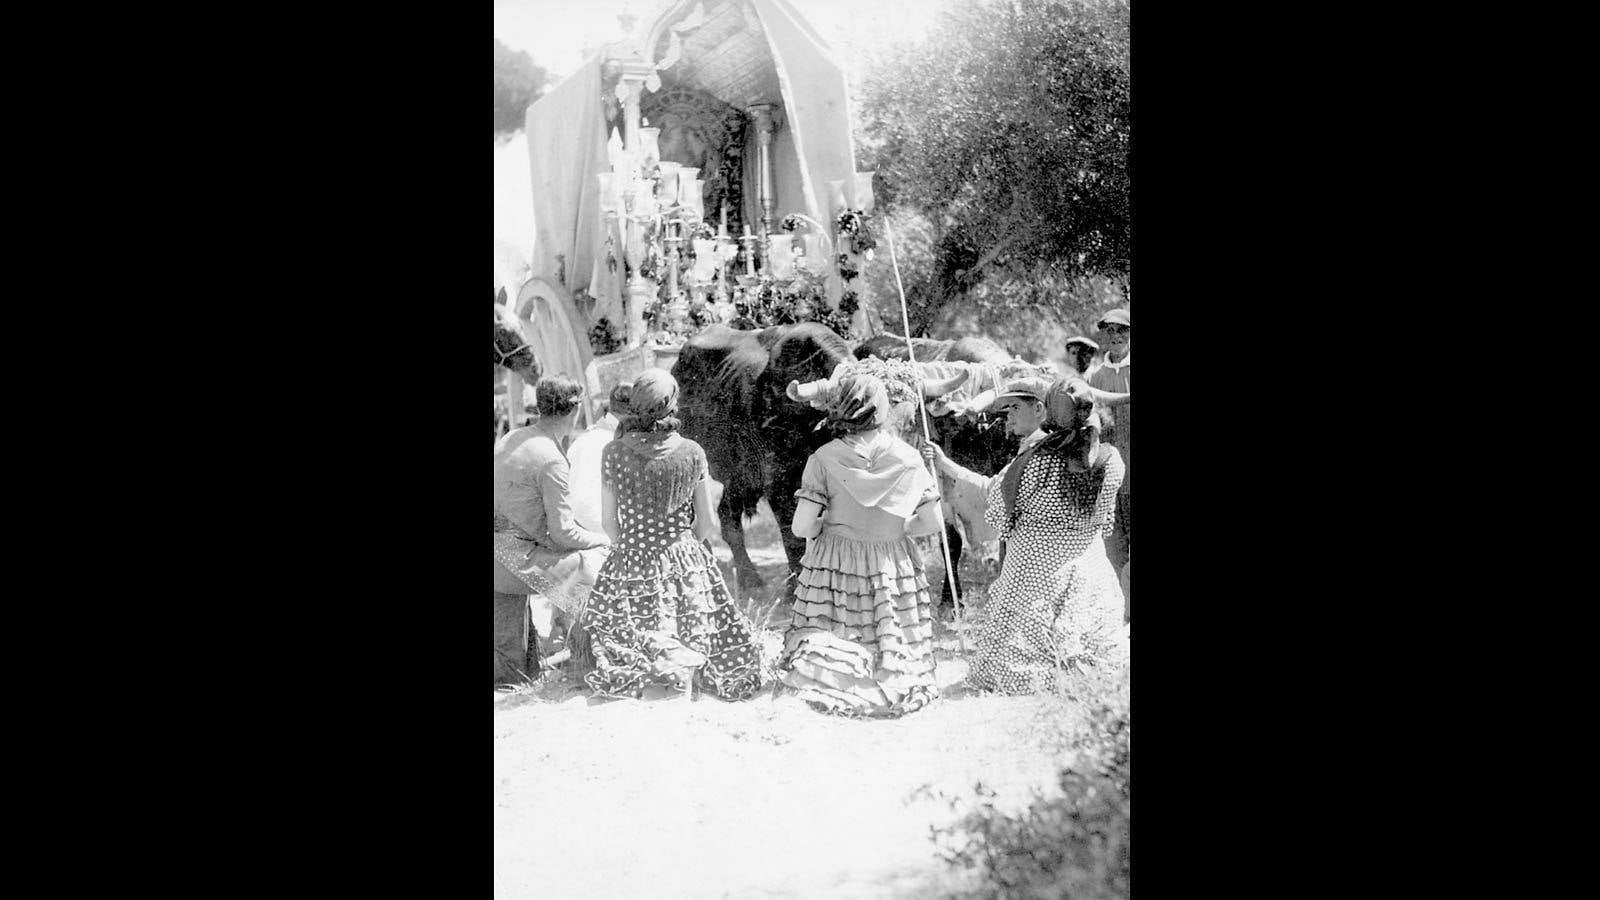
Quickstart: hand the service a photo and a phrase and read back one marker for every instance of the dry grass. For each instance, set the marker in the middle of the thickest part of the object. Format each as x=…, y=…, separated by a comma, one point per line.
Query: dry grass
x=551, y=686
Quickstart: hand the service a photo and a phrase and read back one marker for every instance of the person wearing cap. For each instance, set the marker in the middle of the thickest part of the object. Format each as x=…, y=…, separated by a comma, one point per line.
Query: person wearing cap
x=1080, y=352
x=1022, y=403
x=1114, y=374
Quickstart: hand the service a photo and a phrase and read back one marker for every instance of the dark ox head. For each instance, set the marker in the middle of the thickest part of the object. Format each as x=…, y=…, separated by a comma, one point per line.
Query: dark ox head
x=719, y=410
x=806, y=352
x=716, y=372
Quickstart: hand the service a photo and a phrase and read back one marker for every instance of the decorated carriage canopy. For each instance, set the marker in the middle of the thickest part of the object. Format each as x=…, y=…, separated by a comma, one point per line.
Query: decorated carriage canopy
x=680, y=171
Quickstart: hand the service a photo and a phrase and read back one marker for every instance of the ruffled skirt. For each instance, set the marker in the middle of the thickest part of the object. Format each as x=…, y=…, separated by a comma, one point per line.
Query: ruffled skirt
x=660, y=616
x=860, y=640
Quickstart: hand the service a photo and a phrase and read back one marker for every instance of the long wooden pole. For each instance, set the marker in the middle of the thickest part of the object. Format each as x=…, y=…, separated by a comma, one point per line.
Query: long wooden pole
x=944, y=542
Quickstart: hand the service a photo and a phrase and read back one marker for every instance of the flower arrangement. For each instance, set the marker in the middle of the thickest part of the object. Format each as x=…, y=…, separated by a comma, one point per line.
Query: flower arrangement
x=855, y=235
x=799, y=297
x=852, y=224
x=899, y=376
x=701, y=314
x=785, y=301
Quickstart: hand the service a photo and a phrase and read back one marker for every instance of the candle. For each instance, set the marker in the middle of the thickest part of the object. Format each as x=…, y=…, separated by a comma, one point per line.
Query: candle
x=780, y=248
x=669, y=183
x=649, y=146
x=689, y=195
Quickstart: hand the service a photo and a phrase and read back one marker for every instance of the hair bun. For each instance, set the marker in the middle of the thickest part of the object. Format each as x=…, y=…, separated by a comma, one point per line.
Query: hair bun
x=620, y=395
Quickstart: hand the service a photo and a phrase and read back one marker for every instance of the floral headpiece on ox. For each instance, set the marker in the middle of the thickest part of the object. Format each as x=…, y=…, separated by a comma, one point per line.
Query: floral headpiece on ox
x=905, y=385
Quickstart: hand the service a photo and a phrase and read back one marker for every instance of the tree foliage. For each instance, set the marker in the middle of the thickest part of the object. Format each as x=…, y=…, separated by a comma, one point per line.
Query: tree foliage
x=517, y=83
x=1007, y=128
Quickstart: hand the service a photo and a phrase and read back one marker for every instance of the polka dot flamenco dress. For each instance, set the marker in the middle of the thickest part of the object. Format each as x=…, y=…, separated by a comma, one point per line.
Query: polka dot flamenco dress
x=1057, y=599
x=660, y=611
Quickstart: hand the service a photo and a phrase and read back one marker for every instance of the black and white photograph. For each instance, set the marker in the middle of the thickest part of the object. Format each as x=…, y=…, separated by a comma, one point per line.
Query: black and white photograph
x=812, y=458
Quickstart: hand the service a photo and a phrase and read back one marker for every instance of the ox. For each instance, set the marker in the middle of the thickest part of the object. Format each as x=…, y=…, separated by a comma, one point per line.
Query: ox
x=734, y=402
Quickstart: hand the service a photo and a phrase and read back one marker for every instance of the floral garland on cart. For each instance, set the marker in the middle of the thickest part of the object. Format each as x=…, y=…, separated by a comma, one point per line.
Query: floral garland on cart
x=856, y=235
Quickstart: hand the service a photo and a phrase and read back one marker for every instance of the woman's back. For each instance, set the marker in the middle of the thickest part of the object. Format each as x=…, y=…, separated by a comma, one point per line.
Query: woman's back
x=868, y=486
x=860, y=639
x=653, y=482
x=846, y=517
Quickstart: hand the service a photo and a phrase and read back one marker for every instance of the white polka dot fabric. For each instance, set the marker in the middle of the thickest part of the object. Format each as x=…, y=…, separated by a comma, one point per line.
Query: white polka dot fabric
x=1057, y=601
x=660, y=612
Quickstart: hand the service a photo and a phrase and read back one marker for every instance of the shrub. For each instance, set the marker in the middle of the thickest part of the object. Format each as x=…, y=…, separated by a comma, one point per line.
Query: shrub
x=1073, y=842
x=603, y=338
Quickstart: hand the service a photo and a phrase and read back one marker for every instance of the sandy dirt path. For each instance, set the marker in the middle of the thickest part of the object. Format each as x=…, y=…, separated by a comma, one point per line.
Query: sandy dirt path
x=761, y=799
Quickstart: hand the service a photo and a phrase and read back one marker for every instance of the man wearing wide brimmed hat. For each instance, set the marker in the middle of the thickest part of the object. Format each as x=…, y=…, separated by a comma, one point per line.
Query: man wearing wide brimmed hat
x=1113, y=374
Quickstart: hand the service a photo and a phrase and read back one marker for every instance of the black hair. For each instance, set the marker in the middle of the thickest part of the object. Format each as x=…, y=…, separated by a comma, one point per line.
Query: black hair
x=557, y=395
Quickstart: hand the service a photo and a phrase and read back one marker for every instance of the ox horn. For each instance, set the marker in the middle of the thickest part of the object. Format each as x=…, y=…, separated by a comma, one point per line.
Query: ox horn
x=815, y=392
x=811, y=392
x=1109, y=398
x=938, y=387
x=976, y=405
